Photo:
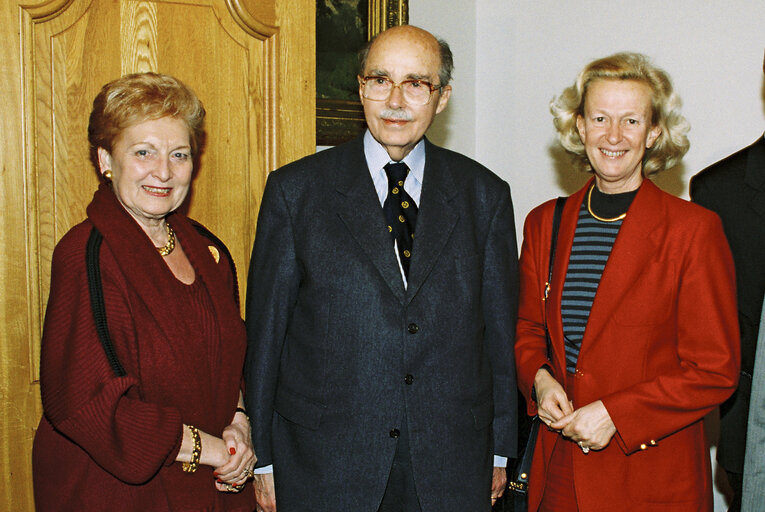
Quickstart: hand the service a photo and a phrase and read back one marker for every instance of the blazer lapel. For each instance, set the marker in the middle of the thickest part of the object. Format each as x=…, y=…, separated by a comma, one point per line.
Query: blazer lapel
x=636, y=244
x=436, y=218
x=360, y=210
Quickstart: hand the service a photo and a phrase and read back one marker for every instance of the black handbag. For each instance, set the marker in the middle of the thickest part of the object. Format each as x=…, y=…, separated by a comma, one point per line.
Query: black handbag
x=519, y=481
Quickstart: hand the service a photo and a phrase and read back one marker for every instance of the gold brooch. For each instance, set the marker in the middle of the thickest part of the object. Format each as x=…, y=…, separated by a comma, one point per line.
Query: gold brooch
x=214, y=252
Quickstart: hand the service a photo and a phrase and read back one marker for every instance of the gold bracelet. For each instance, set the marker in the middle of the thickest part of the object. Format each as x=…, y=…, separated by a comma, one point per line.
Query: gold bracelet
x=196, y=453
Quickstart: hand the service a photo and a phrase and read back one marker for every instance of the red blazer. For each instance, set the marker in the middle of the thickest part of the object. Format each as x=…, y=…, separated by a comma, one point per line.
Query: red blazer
x=660, y=350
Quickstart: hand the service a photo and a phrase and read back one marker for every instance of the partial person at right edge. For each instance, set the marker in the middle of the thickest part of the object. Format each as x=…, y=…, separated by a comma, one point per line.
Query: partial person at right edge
x=734, y=188
x=641, y=309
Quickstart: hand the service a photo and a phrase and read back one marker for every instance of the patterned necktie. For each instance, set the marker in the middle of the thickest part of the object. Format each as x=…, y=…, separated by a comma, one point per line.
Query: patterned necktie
x=400, y=212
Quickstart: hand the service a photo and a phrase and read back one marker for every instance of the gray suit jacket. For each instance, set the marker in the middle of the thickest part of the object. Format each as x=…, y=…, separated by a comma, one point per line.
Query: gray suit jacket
x=753, y=498
x=341, y=354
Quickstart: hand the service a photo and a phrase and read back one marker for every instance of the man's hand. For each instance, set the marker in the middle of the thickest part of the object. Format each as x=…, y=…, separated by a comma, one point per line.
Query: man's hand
x=498, y=483
x=265, y=494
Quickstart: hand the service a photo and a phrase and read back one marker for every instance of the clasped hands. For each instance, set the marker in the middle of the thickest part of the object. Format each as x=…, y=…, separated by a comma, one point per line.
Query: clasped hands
x=239, y=458
x=589, y=426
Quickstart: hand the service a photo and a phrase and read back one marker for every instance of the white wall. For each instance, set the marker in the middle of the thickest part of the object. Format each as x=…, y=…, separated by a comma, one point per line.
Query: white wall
x=454, y=21
x=513, y=56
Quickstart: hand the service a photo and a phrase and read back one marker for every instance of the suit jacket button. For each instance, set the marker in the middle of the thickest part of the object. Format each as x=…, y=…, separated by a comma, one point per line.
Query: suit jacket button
x=409, y=379
x=413, y=328
x=395, y=433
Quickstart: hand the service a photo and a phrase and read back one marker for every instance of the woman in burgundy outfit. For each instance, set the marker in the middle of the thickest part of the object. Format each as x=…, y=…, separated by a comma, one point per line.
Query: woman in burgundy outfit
x=168, y=432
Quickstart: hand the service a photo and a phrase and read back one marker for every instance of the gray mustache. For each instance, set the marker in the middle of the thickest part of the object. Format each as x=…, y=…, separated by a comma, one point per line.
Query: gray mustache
x=395, y=115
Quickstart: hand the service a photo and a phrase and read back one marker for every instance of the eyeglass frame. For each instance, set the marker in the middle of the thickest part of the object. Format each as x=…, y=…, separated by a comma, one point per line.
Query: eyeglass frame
x=433, y=88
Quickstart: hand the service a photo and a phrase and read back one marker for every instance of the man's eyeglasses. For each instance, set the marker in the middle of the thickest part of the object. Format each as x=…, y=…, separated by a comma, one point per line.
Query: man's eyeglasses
x=379, y=88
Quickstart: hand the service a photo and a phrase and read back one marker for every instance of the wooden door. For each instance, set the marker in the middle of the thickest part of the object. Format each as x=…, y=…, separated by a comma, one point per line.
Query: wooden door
x=252, y=64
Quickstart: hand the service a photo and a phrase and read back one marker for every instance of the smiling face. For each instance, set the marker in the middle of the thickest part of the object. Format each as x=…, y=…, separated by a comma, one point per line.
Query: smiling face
x=151, y=168
x=616, y=130
x=403, y=53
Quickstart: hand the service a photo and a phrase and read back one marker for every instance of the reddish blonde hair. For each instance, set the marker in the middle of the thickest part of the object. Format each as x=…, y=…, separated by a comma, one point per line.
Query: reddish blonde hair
x=138, y=97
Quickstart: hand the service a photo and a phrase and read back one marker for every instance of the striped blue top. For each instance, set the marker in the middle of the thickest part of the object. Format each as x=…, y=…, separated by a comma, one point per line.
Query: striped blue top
x=593, y=241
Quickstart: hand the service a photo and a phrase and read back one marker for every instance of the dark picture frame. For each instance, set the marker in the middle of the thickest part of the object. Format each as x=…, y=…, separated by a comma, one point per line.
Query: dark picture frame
x=342, y=28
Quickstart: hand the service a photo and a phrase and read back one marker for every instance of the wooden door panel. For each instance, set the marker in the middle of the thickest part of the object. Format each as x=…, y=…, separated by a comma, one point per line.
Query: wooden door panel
x=252, y=64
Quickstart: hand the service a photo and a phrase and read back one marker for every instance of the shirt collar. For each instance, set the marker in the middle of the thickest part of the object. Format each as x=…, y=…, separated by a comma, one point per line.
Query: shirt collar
x=377, y=157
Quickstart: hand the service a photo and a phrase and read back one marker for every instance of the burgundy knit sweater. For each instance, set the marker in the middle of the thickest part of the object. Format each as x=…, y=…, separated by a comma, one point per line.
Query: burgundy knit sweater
x=110, y=443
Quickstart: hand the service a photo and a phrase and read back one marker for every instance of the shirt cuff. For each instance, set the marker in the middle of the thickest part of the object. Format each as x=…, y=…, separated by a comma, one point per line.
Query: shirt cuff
x=499, y=461
x=264, y=470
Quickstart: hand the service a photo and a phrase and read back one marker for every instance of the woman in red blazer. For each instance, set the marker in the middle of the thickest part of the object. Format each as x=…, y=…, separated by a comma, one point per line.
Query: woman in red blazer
x=641, y=309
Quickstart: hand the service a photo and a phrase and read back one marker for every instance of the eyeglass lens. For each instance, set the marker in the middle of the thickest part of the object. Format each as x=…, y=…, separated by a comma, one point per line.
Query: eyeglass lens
x=414, y=91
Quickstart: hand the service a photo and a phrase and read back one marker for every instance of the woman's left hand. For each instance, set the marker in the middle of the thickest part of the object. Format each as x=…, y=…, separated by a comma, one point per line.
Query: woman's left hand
x=590, y=426
x=238, y=469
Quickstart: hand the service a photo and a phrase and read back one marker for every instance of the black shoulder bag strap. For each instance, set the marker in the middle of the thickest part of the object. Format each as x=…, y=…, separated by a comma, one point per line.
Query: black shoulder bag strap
x=219, y=244
x=519, y=483
x=557, y=214
x=95, y=287
x=92, y=257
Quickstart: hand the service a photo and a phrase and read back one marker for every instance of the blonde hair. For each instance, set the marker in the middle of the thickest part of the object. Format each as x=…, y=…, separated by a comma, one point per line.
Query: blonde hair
x=671, y=144
x=138, y=97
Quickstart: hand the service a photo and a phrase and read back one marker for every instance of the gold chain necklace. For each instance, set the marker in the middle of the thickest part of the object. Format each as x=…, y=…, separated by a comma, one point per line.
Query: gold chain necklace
x=170, y=245
x=601, y=219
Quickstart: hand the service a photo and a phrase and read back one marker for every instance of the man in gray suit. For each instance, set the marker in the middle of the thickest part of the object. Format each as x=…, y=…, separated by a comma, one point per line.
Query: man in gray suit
x=381, y=308
x=753, y=495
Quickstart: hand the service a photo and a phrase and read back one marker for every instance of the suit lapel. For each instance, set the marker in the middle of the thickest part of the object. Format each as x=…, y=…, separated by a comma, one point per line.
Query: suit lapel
x=755, y=175
x=360, y=210
x=636, y=245
x=436, y=217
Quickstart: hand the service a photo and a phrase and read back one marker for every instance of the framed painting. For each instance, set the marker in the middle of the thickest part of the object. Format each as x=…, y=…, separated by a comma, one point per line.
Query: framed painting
x=342, y=28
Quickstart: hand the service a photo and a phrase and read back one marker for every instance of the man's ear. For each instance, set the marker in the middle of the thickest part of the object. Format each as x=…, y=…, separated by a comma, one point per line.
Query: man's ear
x=443, y=98
x=361, y=88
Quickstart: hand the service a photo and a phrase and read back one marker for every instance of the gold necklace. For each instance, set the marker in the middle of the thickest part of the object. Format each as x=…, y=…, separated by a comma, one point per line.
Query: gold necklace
x=601, y=219
x=170, y=245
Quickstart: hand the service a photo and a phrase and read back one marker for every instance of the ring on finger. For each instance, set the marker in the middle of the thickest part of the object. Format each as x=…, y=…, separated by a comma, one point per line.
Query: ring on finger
x=233, y=487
